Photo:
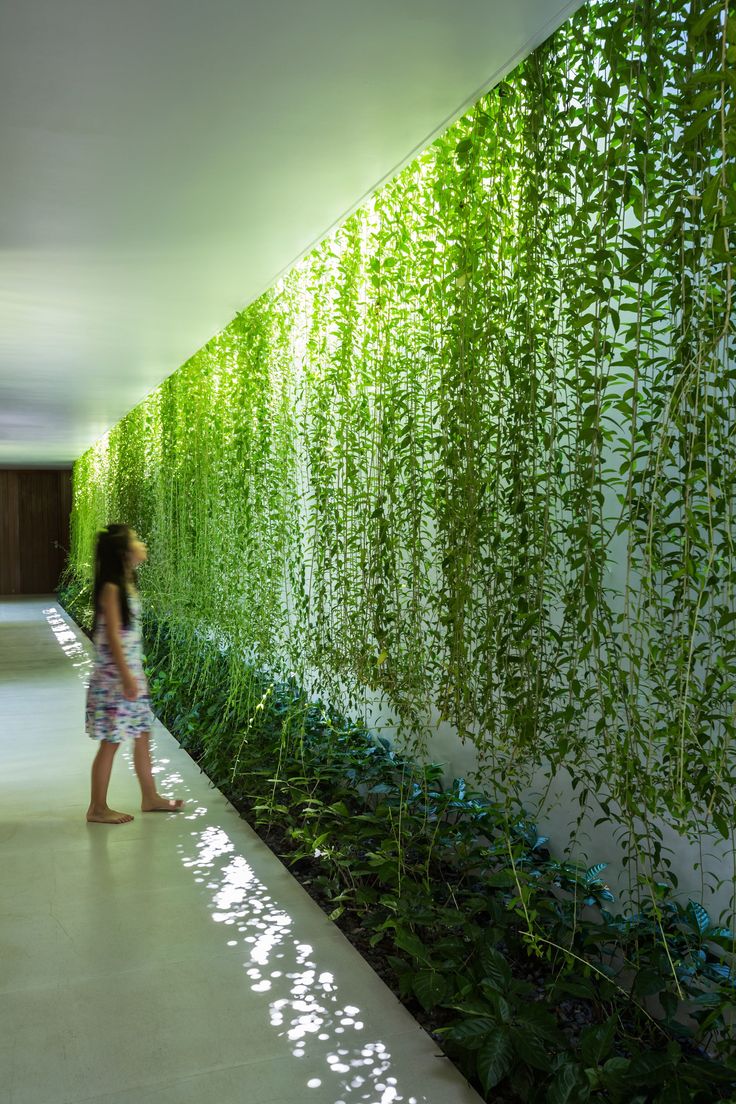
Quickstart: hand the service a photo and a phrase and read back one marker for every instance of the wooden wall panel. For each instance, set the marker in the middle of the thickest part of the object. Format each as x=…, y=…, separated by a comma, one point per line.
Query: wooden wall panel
x=34, y=529
x=9, y=558
x=38, y=522
x=65, y=498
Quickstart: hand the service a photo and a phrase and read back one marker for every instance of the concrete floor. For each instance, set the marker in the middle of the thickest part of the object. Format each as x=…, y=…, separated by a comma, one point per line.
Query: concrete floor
x=172, y=959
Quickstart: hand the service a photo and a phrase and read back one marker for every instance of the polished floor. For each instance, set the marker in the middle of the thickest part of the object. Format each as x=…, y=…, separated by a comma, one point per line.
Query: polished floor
x=172, y=959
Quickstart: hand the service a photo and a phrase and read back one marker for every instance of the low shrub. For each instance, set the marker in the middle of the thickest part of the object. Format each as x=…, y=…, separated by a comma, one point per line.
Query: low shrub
x=511, y=958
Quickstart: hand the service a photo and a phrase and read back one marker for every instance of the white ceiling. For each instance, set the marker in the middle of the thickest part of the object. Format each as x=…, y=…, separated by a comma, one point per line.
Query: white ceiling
x=163, y=161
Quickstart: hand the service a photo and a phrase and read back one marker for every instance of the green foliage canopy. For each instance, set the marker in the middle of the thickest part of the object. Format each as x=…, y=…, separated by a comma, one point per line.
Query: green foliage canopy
x=475, y=454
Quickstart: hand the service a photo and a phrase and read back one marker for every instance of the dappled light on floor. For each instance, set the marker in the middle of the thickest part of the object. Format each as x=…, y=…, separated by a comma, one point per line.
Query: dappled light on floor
x=305, y=1005
x=302, y=999
x=70, y=642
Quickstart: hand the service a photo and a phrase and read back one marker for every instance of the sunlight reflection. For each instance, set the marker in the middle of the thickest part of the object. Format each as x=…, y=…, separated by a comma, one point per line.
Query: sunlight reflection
x=304, y=1003
x=199, y=812
x=303, y=998
x=69, y=642
x=172, y=779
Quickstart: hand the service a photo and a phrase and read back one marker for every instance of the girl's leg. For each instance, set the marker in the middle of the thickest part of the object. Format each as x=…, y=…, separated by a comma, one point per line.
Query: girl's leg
x=99, y=811
x=151, y=801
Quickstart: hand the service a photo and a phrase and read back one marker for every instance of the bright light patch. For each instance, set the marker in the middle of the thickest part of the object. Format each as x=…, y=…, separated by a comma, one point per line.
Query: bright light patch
x=304, y=1004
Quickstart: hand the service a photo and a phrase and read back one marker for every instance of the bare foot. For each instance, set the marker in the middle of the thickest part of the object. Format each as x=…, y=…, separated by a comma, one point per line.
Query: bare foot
x=160, y=804
x=107, y=816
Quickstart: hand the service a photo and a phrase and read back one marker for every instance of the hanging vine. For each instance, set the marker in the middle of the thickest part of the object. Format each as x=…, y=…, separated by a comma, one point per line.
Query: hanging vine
x=473, y=460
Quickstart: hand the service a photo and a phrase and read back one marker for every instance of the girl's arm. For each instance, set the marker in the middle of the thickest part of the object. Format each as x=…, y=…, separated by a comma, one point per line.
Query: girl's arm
x=110, y=604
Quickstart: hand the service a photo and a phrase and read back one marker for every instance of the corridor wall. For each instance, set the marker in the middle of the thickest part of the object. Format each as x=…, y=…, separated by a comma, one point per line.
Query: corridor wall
x=469, y=468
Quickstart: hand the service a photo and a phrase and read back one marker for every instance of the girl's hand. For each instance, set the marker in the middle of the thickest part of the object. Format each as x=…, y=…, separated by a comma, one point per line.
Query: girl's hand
x=130, y=688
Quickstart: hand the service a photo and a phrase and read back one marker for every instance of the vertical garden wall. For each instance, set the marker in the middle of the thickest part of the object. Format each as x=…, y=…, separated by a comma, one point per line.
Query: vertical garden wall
x=475, y=456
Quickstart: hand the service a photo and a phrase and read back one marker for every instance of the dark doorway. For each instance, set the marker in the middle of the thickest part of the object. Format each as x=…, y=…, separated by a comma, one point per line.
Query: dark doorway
x=34, y=528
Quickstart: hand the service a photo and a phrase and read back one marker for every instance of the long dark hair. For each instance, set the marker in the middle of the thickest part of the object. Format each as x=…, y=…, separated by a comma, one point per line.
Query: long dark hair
x=111, y=566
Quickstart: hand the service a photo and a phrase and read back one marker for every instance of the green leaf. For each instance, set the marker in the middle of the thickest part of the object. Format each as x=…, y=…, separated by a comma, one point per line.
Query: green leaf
x=530, y=1048
x=596, y=1042
x=648, y=982
x=615, y=1074
x=494, y=1060
x=649, y=1069
x=574, y=986
x=411, y=943
x=570, y=1086
x=495, y=967
x=702, y=1071
x=594, y=871
x=430, y=987
x=696, y=127
x=699, y=25
x=536, y=1019
x=501, y=879
x=699, y=916
x=471, y=1032
x=501, y=1007
x=705, y=97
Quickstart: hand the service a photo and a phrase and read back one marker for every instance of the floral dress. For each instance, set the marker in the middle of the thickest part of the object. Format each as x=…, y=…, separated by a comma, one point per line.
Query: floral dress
x=109, y=715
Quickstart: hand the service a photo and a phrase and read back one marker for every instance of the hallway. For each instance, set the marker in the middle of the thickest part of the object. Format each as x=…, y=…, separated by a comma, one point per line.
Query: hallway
x=173, y=958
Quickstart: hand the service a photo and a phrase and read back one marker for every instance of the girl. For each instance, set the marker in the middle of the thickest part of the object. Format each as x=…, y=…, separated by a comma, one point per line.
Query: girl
x=118, y=705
